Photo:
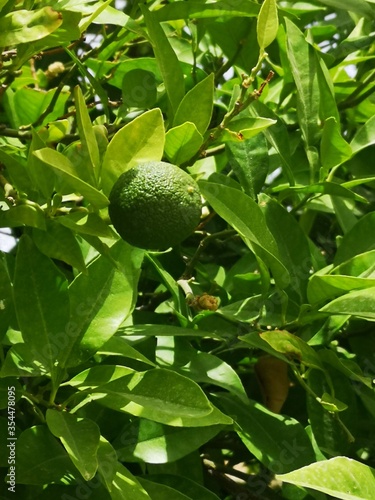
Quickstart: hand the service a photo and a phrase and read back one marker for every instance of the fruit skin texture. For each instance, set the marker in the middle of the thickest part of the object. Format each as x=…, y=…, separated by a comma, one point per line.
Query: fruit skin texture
x=155, y=205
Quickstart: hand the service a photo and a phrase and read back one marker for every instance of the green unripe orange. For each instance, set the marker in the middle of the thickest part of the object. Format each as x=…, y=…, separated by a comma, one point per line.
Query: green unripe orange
x=155, y=205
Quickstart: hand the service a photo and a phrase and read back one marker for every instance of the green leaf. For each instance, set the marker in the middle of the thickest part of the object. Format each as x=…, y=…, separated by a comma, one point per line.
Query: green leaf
x=364, y=137
x=118, y=480
x=334, y=149
x=244, y=215
x=24, y=26
x=267, y=24
x=293, y=245
x=358, y=240
x=80, y=437
x=293, y=347
x=31, y=103
x=144, y=394
x=164, y=486
x=139, y=89
x=331, y=188
x=360, y=303
x=245, y=127
x=322, y=288
x=101, y=300
x=161, y=491
x=154, y=443
x=119, y=346
x=182, y=142
x=65, y=169
x=58, y=242
x=339, y=477
x=277, y=136
x=139, y=141
x=196, y=107
x=28, y=214
x=277, y=441
x=20, y=361
x=249, y=161
x=41, y=459
x=168, y=330
x=304, y=69
x=359, y=6
x=42, y=176
x=197, y=10
x=167, y=60
x=41, y=302
x=86, y=223
x=90, y=150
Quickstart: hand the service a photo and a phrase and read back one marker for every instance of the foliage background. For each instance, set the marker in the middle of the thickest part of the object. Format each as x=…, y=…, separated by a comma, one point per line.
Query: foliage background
x=239, y=364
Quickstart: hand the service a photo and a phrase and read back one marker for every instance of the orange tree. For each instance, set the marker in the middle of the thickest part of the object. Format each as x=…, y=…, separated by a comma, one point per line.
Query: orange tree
x=239, y=363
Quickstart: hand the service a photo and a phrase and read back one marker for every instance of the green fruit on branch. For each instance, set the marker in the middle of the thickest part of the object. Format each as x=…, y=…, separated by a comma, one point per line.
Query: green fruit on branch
x=155, y=205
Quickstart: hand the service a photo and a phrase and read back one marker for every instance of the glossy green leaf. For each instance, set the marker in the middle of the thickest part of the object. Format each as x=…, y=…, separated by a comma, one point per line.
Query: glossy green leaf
x=334, y=149
x=140, y=140
x=101, y=300
x=98, y=375
x=339, y=477
x=244, y=215
x=120, y=346
x=199, y=366
x=293, y=245
x=359, y=6
x=90, y=150
x=360, y=303
x=277, y=136
x=41, y=459
x=346, y=366
x=64, y=168
x=20, y=361
x=42, y=176
x=197, y=10
x=80, y=437
x=169, y=330
x=139, y=89
x=293, y=347
x=31, y=103
x=267, y=24
x=25, y=26
x=245, y=128
x=327, y=287
x=154, y=443
x=161, y=491
x=167, y=60
x=277, y=441
x=249, y=161
x=155, y=483
x=58, y=242
x=326, y=187
x=119, y=481
x=86, y=223
x=303, y=65
x=28, y=214
x=182, y=142
x=41, y=302
x=144, y=394
x=196, y=107
x=365, y=136
x=358, y=240
x=246, y=310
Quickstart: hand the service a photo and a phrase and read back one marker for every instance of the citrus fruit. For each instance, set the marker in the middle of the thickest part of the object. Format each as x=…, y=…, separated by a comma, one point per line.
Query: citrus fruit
x=155, y=205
